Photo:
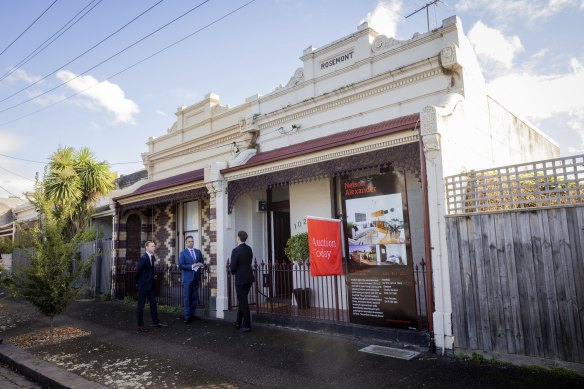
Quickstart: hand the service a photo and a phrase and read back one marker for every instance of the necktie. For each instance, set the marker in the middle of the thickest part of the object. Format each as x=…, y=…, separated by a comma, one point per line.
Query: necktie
x=152, y=260
x=192, y=253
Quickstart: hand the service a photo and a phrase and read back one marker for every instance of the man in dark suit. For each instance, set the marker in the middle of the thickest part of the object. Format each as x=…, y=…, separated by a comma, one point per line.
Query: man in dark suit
x=145, y=284
x=241, y=258
x=190, y=261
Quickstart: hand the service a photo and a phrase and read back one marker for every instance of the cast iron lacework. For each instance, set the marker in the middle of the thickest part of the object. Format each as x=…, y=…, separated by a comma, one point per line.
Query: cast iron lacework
x=405, y=157
x=179, y=196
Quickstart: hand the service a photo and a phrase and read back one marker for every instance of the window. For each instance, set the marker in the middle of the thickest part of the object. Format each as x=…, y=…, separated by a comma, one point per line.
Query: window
x=190, y=222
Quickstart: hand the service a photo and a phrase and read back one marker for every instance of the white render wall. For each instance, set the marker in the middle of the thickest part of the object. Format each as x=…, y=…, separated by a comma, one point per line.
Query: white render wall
x=312, y=198
x=246, y=217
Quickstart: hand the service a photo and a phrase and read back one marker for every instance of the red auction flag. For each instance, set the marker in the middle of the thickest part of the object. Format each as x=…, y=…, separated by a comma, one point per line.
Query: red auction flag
x=324, y=243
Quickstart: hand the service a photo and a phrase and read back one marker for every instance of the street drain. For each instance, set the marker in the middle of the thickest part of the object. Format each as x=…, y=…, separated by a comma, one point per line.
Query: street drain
x=390, y=352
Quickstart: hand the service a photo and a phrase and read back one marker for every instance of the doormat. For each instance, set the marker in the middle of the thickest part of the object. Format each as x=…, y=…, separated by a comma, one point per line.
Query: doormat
x=390, y=352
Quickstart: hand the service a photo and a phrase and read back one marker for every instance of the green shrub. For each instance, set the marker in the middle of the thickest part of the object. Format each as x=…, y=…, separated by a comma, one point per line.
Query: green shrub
x=297, y=248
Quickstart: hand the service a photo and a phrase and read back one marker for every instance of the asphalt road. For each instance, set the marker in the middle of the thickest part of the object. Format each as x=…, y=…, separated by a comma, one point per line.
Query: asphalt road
x=209, y=353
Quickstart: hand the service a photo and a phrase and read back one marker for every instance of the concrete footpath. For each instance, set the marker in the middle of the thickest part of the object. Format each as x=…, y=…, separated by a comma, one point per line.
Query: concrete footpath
x=209, y=353
x=10, y=379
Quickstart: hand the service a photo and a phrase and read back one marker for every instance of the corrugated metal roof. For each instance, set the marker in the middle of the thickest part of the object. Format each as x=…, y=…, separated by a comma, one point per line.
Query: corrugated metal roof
x=168, y=182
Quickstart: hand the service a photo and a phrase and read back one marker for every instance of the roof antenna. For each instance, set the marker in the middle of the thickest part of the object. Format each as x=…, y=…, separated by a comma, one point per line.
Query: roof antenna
x=428, y=4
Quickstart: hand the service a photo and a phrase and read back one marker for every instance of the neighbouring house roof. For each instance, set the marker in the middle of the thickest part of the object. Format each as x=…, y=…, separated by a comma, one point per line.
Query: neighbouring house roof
x=331, y=141
x=178, y=187
x=168, y=182
x=126, y=180
x=7, y=203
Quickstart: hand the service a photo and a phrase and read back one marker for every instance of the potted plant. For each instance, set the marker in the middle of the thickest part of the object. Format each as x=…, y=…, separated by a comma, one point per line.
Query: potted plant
x=297, y=251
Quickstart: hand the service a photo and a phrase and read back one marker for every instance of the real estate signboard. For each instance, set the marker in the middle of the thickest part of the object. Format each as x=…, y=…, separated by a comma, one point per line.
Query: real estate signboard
x=379, y=265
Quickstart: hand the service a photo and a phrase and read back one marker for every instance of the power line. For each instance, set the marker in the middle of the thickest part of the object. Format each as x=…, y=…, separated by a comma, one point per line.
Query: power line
x=22, y=159
x=9, y=192
x=60, y=32
x=16, y=174
x=126, y=163
x=129, y=67
x=79, y=56
x=44, y=163
x=26, y=29
x=105, y=60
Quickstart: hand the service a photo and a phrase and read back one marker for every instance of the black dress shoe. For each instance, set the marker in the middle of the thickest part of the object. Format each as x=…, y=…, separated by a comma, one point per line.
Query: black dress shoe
x=141, y=329
x=187, y=321
x=236, y=326
x=160, y=325
x=244, y=329
x=196, y=317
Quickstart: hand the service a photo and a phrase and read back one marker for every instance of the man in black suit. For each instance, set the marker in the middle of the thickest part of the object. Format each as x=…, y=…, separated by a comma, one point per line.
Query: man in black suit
x=145, y=284
x=241, y=258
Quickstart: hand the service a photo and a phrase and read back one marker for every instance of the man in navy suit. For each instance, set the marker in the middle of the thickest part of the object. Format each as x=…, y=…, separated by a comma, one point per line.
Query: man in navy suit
x=241, y=258
x=190, y=261
x=145, y=284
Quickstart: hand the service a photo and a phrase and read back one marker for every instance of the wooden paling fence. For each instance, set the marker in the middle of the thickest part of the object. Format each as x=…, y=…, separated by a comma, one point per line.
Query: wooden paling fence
x=518, y=282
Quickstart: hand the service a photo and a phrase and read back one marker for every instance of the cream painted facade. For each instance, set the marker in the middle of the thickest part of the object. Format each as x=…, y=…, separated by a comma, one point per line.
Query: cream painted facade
x=359, y=80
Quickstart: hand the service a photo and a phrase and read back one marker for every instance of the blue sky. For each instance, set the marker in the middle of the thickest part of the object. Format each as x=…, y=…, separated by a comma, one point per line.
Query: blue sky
x=531, y=52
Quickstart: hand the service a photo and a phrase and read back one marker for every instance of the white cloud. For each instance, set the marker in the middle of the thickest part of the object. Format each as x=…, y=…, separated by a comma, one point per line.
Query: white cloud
x=46, y=99
x=10, y=142
x=385, y=17
x=21, y=75
x=102, y=94
x=509, y=10
x=540, y=54
x=160, y=112
x=491, y=45
x=539, y=97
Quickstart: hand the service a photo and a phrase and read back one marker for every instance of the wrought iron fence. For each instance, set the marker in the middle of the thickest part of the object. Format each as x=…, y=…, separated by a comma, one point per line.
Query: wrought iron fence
x=167, y=284
x=289, y=289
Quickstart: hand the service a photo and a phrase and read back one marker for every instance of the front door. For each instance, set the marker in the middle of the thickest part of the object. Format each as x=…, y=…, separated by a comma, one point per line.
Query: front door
x=281, y=264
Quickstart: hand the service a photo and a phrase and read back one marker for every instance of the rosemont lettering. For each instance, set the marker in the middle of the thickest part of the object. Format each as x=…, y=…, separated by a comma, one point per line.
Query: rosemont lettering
x=334, y=61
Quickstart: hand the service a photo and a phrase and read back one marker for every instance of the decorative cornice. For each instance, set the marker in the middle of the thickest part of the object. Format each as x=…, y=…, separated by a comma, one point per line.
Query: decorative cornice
x=334, y=154
x=416, y=40
x=335, y=45
x=229, y=112
x=349, y=99
x=173, y=152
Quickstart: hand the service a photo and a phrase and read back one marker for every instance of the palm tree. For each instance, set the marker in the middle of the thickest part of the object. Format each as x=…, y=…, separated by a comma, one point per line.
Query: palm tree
x=75, y=181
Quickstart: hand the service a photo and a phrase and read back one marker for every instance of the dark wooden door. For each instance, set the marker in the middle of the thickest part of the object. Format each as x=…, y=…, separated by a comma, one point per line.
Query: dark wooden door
x=283, y=274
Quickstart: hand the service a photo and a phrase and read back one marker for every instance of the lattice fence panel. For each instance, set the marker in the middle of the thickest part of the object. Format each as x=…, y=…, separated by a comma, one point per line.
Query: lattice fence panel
x=549, y=183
